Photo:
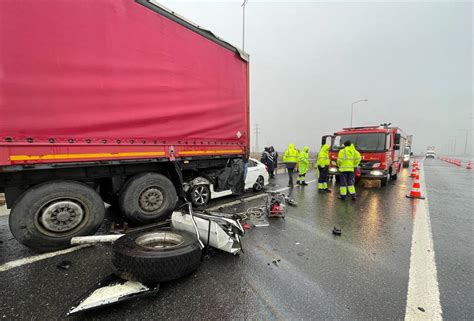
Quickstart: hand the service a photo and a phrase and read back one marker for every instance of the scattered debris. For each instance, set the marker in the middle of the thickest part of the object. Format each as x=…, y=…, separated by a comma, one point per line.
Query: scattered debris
x=276, y=261
x=64, y=265
x=290, y=201
x=113, y=289
x=421, y=309
x=297, y=243
x=300, y=253
x=336, y=231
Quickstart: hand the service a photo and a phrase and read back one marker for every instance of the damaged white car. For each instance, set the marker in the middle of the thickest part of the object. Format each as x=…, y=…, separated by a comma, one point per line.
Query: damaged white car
x=202, y=189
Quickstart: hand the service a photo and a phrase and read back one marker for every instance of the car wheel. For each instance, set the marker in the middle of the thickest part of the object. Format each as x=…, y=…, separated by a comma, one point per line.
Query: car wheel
x=47, y=216
x=200, y=195
x=259, y=184
x=147, y=198
x=158, y=256
x=384, y=181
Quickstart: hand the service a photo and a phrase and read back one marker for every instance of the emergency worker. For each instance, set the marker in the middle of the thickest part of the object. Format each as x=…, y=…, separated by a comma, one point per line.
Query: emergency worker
x=347, y=161
x=322, y=165
x=290, y=158
x=303, y=165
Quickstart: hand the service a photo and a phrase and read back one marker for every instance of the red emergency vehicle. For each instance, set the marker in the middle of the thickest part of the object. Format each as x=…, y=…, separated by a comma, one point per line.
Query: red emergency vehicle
x=381, y=148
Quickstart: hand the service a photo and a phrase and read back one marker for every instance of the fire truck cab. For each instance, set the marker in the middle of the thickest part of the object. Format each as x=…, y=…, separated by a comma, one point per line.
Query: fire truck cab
x=381, y=148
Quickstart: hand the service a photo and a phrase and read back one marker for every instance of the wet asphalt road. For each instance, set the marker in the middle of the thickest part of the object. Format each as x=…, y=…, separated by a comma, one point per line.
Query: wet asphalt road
x=362, y=274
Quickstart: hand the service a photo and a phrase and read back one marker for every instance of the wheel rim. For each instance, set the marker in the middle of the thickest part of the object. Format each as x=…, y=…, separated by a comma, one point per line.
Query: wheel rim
x=259, y=183
x=61, y=216
x=160, y=240
x=201, y=195
x=151, y=199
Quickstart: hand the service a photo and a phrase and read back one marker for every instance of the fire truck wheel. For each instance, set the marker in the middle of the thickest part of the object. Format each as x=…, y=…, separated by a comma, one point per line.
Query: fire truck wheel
x=384, y=181
x=157, y=256
x=48, y=215
x=147, y=198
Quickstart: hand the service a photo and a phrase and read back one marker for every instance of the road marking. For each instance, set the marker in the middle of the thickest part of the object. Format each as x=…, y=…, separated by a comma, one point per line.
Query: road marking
x=250, y=198
x=32, y=259
x=423, y=288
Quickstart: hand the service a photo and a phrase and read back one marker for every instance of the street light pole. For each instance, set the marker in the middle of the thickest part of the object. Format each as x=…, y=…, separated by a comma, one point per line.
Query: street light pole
x=352, y=107
x=243, y=24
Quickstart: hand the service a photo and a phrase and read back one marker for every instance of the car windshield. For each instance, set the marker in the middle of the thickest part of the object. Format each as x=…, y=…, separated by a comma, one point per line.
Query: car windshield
x=373, y=142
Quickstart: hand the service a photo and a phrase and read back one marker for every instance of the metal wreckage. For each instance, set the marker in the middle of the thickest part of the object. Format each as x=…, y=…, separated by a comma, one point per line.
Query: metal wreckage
x=146, y=256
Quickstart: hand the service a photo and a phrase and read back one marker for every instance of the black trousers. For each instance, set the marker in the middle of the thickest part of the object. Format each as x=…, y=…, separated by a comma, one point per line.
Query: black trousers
x=323, y=174
x=290, y=175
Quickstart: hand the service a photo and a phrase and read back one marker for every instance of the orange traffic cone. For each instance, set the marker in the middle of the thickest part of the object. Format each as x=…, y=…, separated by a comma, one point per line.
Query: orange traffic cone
x=469, y=165
x=414, y=173
x=415, y=190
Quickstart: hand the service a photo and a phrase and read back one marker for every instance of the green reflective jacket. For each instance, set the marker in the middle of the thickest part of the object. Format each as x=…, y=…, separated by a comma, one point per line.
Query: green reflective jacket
x=303, y=160
x=348, y=159
x=323, y=156
x=291, y=155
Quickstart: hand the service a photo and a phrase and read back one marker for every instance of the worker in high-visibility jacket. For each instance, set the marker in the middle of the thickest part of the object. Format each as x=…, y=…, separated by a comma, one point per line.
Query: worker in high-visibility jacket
x=290, y=158
x=347, y=161
x=322, y=165
x=303, y=165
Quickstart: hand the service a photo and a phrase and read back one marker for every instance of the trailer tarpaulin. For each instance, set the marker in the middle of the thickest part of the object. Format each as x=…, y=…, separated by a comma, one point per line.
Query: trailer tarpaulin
x=115, y=69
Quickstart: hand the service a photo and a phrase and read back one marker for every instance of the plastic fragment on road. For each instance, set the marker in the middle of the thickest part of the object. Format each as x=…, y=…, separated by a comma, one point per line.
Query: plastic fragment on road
x=111, y=290
x=64, y=265
x=224, y=233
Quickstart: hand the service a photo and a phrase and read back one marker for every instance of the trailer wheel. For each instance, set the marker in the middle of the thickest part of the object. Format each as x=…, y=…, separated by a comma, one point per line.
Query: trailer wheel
x=147, y=198
x=156, y=256
x=48, y=215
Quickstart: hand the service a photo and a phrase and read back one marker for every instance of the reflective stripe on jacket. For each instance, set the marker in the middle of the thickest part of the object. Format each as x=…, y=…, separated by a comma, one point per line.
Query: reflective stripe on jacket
x=323, y=156
x=291, y=155
x=348, y=159
x=303, y=160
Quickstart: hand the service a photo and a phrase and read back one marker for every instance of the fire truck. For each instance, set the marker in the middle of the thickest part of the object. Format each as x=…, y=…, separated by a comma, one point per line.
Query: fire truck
x=381, y=148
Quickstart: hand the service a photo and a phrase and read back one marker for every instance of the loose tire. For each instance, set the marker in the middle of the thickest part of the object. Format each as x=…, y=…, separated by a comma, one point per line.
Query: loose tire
x=259, y=184
x=200, y=195
x=147, y=198
x=48, y=215
x=158, y=256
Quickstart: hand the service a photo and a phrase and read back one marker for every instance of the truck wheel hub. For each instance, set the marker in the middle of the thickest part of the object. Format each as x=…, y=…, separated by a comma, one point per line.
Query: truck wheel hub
x=62, y=216
x=151, y=199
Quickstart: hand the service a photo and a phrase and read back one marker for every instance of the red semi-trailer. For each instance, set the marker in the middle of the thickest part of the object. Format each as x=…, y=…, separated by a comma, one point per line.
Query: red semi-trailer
x=119, y=101
x=381, y=148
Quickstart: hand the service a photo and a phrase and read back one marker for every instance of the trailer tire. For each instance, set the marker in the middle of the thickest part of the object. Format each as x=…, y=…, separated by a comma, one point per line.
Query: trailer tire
x=135, y=256
x=147, y=198
x=48, y=215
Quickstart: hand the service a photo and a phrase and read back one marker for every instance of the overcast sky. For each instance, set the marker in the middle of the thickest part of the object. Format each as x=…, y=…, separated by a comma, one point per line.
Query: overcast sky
x=311, y=59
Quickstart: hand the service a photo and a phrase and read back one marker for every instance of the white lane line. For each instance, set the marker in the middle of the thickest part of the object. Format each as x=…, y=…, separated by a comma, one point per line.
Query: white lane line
x=32, y=259
x=250, y=198
x=423, y=288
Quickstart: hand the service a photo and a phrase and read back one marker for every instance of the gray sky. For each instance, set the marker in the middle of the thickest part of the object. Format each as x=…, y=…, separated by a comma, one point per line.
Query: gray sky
x=311, y=59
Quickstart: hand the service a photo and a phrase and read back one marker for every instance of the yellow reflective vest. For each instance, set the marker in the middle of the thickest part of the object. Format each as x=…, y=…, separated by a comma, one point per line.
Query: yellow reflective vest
x=323, y=156
x=348, y=159
x=291, y=155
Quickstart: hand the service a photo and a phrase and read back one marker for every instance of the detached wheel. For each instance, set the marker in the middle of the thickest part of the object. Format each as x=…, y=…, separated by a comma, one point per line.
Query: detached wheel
x=158, y=256
x=200, y=195
x=47, y=216
x=259, y=184
x=148, y=198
